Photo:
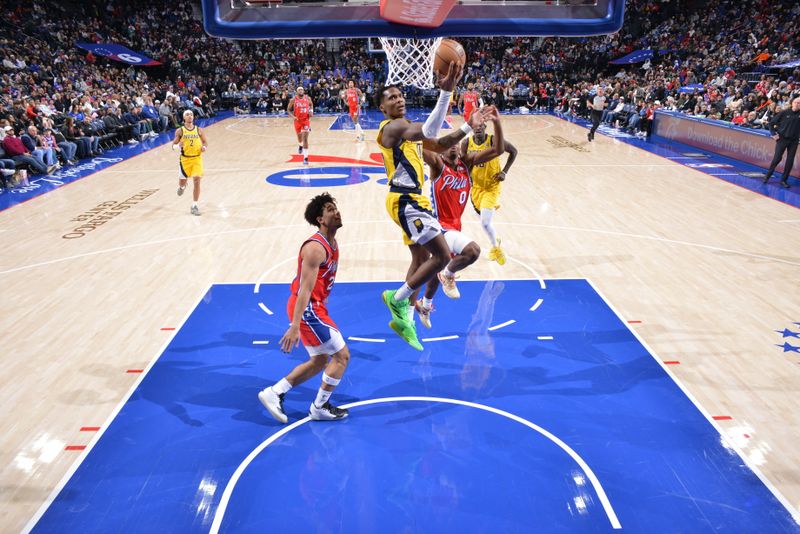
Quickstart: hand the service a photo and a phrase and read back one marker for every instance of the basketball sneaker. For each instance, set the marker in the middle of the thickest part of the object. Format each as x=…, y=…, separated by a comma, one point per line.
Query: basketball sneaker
x=181, y=190
x=273, y=403
x=449, y=285
x=424, y=313
x=327, y=412
x=496, y=254
x=398, y=308
x=305, y=161
x=407, y=332
x=300, y=149
x=195, y=210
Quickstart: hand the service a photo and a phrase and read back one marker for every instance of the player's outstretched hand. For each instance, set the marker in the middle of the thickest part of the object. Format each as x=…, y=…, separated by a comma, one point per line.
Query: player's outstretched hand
x=290, y=339
x=481, y=115
x=175, y=147
x=454, y=73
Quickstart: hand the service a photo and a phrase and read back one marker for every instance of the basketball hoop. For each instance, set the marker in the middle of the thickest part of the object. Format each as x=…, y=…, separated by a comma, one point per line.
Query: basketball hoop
x=411, y=60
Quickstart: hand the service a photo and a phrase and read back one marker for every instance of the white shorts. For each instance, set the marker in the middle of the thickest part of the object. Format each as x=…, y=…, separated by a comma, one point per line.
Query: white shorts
x=456, y=241
x=330, y=347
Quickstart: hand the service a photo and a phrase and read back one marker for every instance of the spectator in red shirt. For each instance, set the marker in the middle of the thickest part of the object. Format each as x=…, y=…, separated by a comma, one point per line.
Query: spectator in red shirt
x=13, y=147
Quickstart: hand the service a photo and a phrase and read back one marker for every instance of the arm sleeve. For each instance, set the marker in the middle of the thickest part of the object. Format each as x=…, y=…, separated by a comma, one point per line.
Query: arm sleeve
x=434, y=123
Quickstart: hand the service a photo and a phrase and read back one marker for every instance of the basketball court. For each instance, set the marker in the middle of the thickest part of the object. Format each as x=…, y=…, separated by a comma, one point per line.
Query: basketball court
x=634, y=366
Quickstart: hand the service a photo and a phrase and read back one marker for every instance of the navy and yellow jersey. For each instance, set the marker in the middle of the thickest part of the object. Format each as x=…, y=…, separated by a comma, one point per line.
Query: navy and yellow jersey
x=191, y=144
x=483, y=174
x=404, y=164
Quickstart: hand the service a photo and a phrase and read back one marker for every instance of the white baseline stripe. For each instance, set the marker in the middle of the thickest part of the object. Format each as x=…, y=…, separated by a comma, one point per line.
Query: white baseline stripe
x=545, y=338
x=444, y=338
x=367, y=339
x=60, y=486
x=598, y=488
x=501, y=325
x=260, y=342
x=778, y=495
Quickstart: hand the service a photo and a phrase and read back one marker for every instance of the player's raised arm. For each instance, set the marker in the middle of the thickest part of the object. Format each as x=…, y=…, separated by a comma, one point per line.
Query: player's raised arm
x=476, y=158
x=441, y=144
x=434, y=161
x=313, y=255
x=399, y=130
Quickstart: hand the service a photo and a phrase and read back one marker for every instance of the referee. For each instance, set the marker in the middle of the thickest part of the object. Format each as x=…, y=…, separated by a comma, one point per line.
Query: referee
x=596, y=105
x=785, y=128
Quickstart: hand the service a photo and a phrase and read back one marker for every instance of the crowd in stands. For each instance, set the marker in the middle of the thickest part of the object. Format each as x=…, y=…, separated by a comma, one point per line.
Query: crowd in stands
x=59, y=104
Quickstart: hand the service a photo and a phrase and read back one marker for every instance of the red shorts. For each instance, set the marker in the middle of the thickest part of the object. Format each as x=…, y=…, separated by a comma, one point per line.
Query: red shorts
x=467, y=113
x=354, y=112
x=316, y=324
x=302, y=126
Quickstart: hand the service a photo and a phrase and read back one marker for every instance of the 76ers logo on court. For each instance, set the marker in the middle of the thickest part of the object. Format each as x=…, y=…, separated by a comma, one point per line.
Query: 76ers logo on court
x=349, y=172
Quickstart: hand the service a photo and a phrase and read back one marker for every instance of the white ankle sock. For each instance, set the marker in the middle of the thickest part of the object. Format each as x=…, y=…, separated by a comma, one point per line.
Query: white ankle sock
x=282, y=386
x=322, y=397
x=403, y=293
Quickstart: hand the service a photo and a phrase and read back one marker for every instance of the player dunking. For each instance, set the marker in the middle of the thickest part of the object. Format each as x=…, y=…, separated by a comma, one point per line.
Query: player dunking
x=469, y=101
x=310, y=323
x=487, y=179
x=401, y=142
x=354, y=96
x=450, y=192
x=191, y=141
x=301, y=108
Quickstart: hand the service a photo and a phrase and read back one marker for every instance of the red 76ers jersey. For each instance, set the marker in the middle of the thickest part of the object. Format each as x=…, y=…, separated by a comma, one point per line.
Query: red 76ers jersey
x=449, y=195
x=470, y=101
x=326, y=275
x=352, y=97
x=301, y=108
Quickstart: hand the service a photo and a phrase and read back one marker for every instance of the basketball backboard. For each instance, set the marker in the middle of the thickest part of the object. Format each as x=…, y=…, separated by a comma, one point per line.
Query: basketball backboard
x=297, y=19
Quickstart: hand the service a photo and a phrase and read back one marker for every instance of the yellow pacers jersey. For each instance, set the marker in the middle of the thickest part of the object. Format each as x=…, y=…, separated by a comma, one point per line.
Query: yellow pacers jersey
x=190, y=142
x=404, y=164
x=483, y=174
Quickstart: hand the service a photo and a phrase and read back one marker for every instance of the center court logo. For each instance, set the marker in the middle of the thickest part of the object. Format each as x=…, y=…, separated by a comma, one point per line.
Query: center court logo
x=353, y=172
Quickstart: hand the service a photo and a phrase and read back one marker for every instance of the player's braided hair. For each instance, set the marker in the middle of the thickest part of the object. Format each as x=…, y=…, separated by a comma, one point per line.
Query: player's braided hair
x=316, y=207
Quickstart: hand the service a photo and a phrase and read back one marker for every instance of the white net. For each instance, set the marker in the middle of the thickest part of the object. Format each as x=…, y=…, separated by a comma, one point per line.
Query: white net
x=410, y=60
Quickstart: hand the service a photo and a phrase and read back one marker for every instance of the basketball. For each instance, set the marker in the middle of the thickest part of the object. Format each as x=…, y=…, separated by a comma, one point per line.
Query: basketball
x=448, y=51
